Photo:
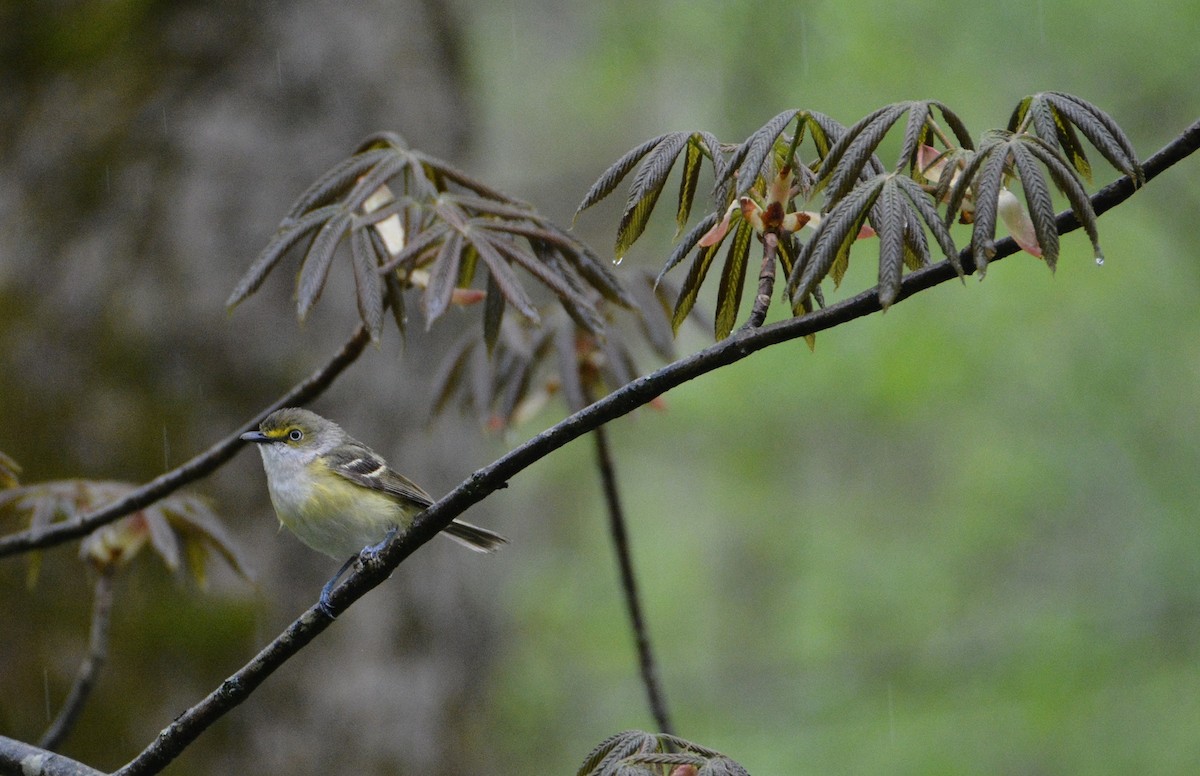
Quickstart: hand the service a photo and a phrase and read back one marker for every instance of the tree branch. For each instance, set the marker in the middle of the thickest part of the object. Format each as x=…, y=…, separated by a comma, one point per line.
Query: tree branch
x=641, y=635
x=199, y=466
x=189, y=725
x=18, y=758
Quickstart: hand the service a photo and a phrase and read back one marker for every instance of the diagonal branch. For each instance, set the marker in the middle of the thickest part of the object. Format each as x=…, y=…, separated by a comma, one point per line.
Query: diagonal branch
x=199, y=466
x=191, y=723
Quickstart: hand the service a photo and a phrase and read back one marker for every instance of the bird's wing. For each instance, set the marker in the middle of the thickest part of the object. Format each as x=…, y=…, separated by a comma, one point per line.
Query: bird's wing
x=362, y=466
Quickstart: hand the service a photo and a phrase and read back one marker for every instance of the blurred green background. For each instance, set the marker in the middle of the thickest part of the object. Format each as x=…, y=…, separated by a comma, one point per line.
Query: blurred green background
x=956, y=538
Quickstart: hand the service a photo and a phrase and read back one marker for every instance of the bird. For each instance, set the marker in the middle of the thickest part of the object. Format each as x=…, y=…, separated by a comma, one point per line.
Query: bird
x=340, y=497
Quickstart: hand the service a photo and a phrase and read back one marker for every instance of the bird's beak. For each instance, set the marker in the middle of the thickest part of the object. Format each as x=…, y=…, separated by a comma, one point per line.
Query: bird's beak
x=256, y=436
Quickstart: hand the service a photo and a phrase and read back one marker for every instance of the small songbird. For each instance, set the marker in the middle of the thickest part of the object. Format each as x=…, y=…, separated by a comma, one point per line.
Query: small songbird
x=337, y=495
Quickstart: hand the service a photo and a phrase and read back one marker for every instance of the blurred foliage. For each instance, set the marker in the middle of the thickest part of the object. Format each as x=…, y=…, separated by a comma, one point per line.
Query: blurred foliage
x=177, y=527
x=9, y=472
x=432, y=231
x=510, y=383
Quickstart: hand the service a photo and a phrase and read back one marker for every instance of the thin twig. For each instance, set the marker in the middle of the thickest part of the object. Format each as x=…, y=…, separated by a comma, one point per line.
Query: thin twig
x=766, y=283
x=191, y=723
x=641, y=634
x=90, y=668
x=201, y=465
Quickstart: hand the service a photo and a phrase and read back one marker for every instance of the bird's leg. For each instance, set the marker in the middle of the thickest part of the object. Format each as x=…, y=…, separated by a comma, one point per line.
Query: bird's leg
x=323, y=604
x=367, y=553
x=371, y=550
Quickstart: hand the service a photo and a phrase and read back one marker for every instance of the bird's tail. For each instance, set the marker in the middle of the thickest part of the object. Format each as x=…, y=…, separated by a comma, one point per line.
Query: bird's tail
x=478, y=539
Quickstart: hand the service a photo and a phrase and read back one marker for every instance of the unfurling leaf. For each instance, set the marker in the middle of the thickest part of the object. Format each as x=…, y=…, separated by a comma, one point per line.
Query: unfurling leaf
x=733, y=277
x=1052, y=115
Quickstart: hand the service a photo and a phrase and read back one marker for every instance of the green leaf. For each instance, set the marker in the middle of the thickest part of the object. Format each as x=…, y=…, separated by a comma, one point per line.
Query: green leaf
x=986, y=186
x=685, y=245
x=733, y=277
x=576, y=255
x=691, y=285
x=395, y=299
x=854, y=151
x=449, y=375
x=416, y=245
x=1038, y=200
x=315, y=270
x=925, y=208
x=447, y=172
x=891, y=229
x=646, y=187
x=749, y=157
x=443, y=277
x=376, y=177
x=505, y=279
x=1069, y=184
x=536, y=267
x=288, y=235
x=687, y=183
x=832, y=240
x=493, y=313
x=367, y=283
x=336, y=180
x=1053, y=114
x=824, y=131
x=567, y=353
x=613, y=176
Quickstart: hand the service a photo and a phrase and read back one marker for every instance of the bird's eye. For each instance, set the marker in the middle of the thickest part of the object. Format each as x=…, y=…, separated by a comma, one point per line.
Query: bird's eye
x=295, y=435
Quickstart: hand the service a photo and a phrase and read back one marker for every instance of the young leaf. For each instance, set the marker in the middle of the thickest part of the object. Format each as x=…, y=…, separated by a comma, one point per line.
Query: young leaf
x=748, y=158
x=493, y=313
x=836, y=233
x=1070, y=185
x=505, y=279
x=417, y=245
x=368, y=284
x=891, y=228
x=733, y=277
x=854, y=153
x=691, y=285
x=688, y=181
x=1050, y=112
x=443, y=277
x=315, y=270
x=646, y=187
x=685, y=245
x=612, y=177
x=1039, y=201
x=339, y=178
x=924, y=206
x=288, y=235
